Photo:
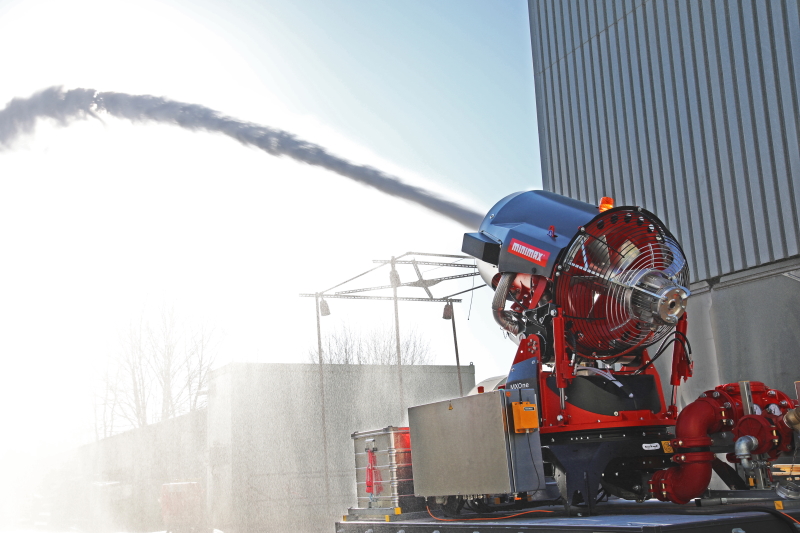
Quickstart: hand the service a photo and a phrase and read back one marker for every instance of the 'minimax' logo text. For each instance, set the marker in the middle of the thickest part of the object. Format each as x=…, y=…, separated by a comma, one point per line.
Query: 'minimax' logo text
x=529, y=252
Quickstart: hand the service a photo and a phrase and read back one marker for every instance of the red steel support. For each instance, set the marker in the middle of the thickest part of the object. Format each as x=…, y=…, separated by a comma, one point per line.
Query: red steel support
x=563, y=371
x=528, y=349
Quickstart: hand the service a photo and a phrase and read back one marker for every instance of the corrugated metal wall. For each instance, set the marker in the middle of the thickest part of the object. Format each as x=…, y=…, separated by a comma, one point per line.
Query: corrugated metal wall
x=688, y=108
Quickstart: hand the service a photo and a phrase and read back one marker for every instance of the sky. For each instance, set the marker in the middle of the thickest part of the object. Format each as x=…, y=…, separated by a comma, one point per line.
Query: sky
x=104, y=224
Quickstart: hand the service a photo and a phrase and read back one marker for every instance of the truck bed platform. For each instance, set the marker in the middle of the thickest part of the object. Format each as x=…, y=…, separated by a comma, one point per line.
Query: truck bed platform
x=610, y=517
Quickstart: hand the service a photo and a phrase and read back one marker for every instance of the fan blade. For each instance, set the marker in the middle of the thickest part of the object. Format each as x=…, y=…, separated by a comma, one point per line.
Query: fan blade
x=625, y=256
x=593, y=283
x=599, y=252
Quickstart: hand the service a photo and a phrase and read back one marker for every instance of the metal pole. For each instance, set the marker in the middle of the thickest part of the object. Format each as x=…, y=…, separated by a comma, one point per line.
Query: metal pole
x=455, y=343
x=397, y=346
x=319, y=335
x=322, y=409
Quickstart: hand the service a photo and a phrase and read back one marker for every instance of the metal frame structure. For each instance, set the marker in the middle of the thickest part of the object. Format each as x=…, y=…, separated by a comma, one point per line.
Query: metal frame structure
x=394, y=284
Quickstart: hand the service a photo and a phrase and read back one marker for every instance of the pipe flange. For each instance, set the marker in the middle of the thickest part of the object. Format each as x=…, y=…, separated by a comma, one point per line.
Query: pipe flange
x=758, y=427
x=691, y=442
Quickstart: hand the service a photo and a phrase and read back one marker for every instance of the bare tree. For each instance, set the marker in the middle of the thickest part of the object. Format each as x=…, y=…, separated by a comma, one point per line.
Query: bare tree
x=162, y=366
x=198, y=361
x=134, y=381
x=162, y=358
x=377, y=347
x=343, y=347
x=106, y=402
x=414, y=349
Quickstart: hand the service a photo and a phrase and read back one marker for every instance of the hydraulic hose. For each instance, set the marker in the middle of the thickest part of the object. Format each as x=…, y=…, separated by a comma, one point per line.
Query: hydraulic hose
x=508, y=320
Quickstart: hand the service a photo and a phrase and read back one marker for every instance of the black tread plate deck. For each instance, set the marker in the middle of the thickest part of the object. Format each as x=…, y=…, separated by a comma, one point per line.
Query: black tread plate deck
x=649, y=517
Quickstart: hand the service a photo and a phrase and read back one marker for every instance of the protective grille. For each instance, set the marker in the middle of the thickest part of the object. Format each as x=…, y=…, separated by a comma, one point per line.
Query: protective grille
x=599, y=284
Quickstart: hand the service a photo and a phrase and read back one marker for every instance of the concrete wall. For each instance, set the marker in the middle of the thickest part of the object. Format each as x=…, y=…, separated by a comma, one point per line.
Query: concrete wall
x=265, y=458
x=116, y=482
x=744, y=326
x=275, y=465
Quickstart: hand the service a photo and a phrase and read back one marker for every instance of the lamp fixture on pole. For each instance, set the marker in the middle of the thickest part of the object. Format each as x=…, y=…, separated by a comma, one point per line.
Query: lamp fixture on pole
x=449, y=314
x=324, y=310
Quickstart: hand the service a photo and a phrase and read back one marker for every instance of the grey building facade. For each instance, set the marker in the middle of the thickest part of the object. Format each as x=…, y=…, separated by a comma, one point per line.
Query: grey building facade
x=687, y=108
x=690, y=109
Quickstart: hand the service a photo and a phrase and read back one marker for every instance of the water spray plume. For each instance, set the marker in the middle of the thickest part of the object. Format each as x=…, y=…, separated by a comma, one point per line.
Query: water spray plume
x=20, y=115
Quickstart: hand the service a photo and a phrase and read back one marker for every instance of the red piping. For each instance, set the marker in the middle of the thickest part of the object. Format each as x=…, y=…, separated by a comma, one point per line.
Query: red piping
x=690, y=477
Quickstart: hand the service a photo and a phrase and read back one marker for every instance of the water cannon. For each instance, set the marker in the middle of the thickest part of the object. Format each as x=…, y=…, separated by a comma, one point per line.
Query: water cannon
x=593, y=296
x=618, y=274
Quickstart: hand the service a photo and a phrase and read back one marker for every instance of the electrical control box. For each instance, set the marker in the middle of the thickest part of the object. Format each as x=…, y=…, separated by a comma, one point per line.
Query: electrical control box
x=526, y=417
x=470, y=445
